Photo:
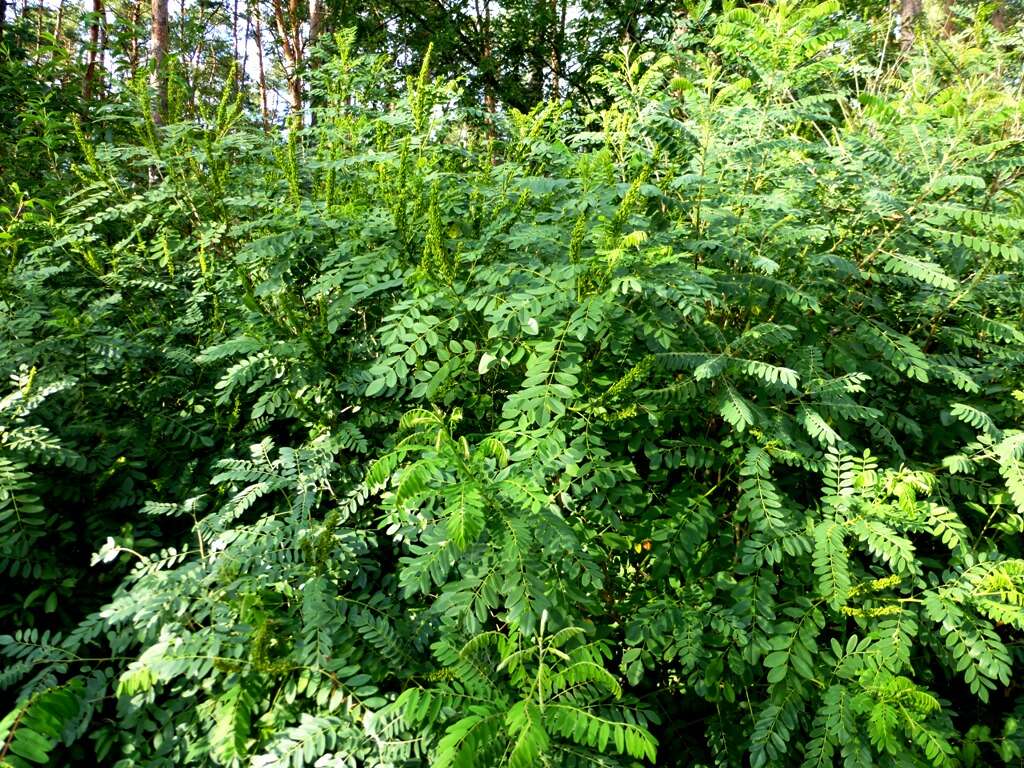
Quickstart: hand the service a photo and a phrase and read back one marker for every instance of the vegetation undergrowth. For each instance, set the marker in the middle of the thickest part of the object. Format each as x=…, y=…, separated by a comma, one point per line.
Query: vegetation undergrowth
x=683, y=432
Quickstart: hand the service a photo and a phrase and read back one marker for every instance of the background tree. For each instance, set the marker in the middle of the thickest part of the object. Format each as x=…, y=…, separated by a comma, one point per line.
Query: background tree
x=97, y=22
x=158, y=48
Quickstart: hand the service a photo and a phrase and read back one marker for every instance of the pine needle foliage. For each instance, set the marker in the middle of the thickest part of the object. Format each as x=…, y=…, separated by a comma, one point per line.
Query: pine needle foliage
x=683, y=432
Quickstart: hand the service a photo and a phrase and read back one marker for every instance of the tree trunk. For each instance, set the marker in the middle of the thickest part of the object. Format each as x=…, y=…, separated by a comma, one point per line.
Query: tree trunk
x=487, y=64
x=102, y=56
x=133, y=46
x=257, y=20
x=537, y=63
x=316, y=20
x=998, y=17
x=94, y=49
x=243, y=69
x=291, y=49
x=910, y=11
x=316, y=23
x=59, y=23
x=158, y=49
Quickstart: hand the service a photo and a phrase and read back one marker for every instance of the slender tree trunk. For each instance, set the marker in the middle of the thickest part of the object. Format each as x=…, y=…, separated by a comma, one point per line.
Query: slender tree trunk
x=133, y=46
x=316, y=20
x=537, y=63
x=998, y=17
x=486, y=63
x=489, y=102
x=316, y=26
x=259, y=66
x=104, y=77
x=59, y=23
x=3, y=17
x=245, y=50
x=291, y=48
x=94, y=49
x=158, y=49
x=299, y=49
x=910, y=11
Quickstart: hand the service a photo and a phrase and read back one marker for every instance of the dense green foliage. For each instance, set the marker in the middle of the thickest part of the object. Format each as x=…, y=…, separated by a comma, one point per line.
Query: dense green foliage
x=684, y=432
